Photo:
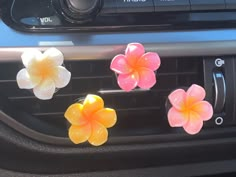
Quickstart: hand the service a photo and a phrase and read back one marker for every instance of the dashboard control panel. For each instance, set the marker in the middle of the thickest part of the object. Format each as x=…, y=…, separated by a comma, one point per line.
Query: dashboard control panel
x=100, y=15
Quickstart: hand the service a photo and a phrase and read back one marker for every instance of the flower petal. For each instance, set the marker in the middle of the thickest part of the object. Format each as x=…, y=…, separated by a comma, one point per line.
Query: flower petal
x=92, y=104
x=30, y=55
x=194, y=94
x=128, y=81
x=204, y=109
x=106, y=117
x=45, y=89
x=147, y=78
x=55, y=55
x=25, y=81
x=194, y=125
x=63, y=77
x=79, y=134
x=99, y=134
x=133, y=52
x=74, y=114
x=177, y=118
x=150, y=60
x=177, y=99
x=119, y=65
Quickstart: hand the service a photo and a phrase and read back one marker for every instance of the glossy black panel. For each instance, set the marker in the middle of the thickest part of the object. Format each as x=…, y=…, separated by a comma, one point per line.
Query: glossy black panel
x=53, y=16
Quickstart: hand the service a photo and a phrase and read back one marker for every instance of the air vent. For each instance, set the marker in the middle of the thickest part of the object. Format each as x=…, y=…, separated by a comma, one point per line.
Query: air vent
x=140, y=113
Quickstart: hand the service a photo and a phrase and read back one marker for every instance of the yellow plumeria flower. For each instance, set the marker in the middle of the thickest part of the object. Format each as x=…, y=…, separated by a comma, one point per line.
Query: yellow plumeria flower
x=90, y=121
x=43, y=72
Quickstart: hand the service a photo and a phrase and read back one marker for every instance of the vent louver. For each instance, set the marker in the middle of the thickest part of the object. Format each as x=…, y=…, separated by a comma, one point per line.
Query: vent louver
x=139, y=112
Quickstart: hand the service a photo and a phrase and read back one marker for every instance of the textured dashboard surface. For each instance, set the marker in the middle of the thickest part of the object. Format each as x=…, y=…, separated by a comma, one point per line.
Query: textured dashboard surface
x=106, y=45
x=181, y=170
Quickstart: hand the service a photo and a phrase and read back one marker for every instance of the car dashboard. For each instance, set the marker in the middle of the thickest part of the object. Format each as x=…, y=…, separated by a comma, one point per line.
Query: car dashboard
x=196, y=42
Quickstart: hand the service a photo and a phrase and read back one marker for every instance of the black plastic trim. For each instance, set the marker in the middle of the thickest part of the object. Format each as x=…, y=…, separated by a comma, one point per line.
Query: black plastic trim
x=220, y=91
x=185, y=170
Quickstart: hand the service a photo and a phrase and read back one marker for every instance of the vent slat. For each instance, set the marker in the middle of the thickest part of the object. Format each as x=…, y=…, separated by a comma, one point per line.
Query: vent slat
x=9, y=70
x=89, y=68
x=76, y=87
x=34, y=105
x=61, y=114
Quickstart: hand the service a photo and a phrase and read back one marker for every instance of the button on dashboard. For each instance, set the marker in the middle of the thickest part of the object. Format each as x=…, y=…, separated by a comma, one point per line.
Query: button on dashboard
x=127, y=6
x=171, y=5
x=207, y=4
x=50, y=21
x=109, y=6
x=230, y=4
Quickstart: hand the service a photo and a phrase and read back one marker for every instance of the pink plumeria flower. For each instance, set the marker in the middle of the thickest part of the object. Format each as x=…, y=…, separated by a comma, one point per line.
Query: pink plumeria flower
x=43, y=72
x=136, y=68
x=189, y=110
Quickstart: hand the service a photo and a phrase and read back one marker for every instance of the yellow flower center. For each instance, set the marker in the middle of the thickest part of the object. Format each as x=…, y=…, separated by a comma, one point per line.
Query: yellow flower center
x=43, y=68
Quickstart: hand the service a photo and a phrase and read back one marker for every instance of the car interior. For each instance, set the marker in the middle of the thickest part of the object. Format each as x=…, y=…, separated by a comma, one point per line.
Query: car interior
x=196, y=43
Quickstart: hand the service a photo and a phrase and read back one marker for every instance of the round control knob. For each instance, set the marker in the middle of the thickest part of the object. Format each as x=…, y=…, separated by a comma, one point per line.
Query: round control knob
x=81, y=10
x=83, y=6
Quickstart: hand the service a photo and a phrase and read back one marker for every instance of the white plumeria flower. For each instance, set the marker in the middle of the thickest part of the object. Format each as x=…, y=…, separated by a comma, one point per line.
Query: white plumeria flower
x=43, y=72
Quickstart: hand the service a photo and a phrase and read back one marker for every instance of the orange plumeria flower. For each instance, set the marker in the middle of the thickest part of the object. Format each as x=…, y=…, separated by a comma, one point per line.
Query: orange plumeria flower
x=90, y=121
x=189, y=110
